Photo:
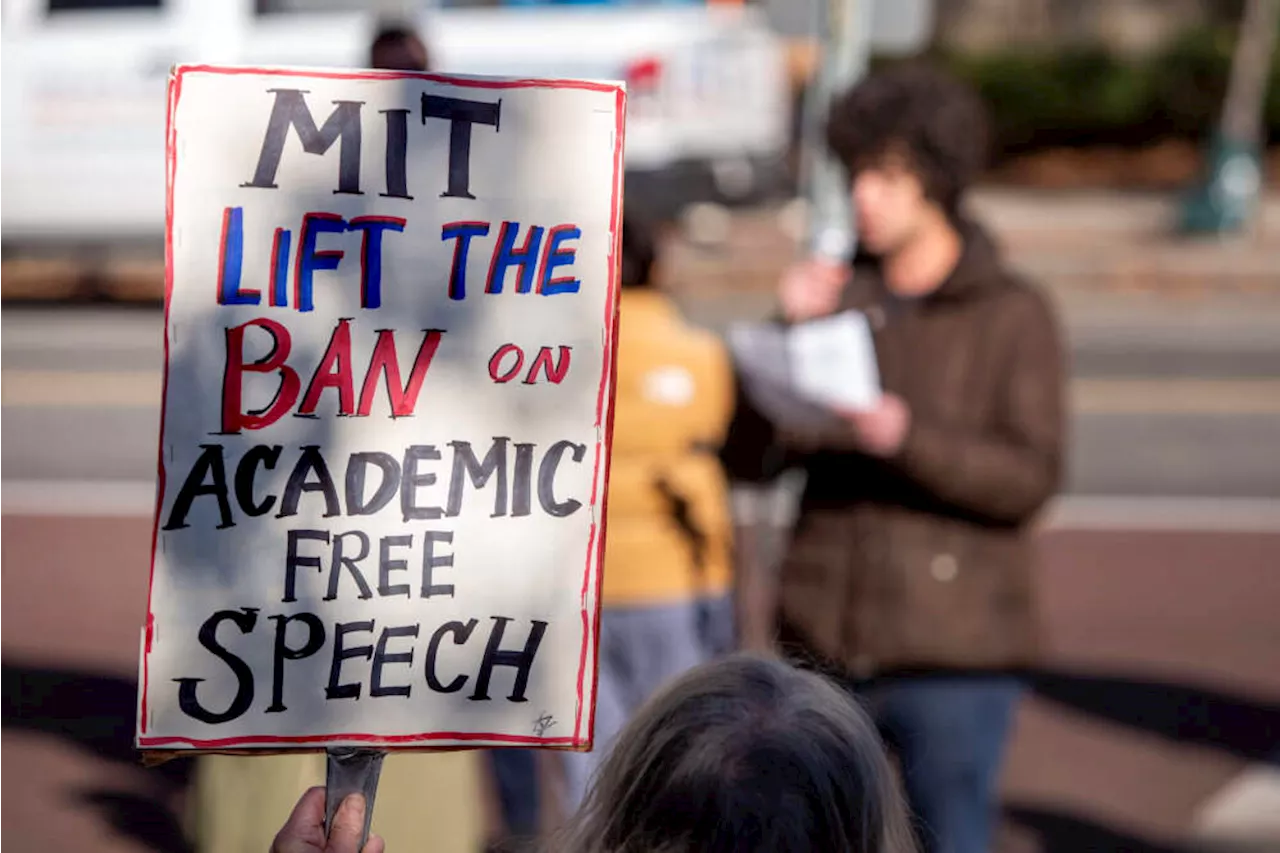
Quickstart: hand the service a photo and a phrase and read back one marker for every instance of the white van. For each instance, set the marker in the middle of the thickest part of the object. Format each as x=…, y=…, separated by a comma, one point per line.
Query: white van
x=83, y=88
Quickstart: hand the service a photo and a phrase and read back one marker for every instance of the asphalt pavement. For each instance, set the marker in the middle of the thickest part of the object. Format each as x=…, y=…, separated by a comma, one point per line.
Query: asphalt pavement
x=1160, y=416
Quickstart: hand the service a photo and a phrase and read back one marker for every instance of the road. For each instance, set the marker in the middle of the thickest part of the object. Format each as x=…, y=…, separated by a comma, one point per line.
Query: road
x=1161, y=581
x=1147, y=422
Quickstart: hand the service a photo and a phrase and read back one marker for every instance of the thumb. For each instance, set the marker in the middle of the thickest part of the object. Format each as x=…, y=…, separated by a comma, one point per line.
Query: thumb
x=348, y=826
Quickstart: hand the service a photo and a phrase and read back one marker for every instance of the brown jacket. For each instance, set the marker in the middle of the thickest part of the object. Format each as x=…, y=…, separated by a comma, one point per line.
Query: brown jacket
x=923, y=561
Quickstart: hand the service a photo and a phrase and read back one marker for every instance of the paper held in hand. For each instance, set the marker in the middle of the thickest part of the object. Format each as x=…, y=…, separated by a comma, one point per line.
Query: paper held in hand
x=833, y=361
x=798, y=375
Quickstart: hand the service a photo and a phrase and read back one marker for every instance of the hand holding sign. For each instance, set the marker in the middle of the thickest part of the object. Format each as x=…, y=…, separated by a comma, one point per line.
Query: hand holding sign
x=304, y=832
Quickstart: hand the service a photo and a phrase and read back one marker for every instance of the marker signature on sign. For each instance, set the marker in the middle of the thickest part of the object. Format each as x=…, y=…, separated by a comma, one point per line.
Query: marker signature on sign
x=543, y=723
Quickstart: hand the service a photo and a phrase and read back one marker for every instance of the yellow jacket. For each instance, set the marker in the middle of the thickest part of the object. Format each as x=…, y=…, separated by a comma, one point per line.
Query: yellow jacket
x=669, y=528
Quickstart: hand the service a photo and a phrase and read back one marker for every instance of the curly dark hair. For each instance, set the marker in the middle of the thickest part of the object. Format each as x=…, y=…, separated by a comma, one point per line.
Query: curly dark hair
x=938, y=123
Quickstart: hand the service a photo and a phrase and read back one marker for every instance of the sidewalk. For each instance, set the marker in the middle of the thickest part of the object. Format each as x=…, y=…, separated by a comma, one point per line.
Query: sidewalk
x=1108, y=259
x=1074, y=216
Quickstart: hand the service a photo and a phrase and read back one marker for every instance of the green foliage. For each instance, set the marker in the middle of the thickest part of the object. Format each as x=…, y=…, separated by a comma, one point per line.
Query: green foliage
x=1074, y=96
x=1190, y=80
x=1088, y=95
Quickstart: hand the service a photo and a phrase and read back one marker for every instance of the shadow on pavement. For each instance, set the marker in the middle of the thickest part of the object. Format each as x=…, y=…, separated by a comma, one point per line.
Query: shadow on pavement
x=95, y=712
x=137, y=817
x=1243, y=727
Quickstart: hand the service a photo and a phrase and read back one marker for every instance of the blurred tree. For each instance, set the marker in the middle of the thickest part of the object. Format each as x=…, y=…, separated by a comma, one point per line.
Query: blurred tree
x=1228, y=198
x=1130, y=26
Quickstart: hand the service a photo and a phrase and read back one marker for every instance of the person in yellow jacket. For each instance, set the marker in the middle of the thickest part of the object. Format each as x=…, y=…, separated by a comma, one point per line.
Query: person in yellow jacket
x=666, y=592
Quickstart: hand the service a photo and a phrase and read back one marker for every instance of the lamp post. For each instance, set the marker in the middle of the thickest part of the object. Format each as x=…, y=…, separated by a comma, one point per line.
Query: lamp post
x=1227, y=199
x=845, y=49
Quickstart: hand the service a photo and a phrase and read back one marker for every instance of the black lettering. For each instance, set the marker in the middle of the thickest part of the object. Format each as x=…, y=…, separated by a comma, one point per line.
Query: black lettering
x=284, y=652
x=547, y=479
x=244, y=619
x=461, y=115
x=380, y=657
x=209, y=465
x=461, y=633
x=310, y=460
x=340, y=631
x=495, y=655
x=292, y=562
x=397, y=142
x=465, y=464
x=246, y=470
x=412, y=480
x=290, y=110
x=430, y=562
x=386, y=565
x=339, y=560
x=357, y=466
x=522, y=485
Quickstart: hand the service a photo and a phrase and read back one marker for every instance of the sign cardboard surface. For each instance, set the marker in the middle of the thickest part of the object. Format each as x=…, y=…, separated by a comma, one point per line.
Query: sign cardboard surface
x=390, y=324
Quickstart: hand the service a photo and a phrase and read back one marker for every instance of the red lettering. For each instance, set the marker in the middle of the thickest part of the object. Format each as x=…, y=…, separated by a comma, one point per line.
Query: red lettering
x=234, y=418
x=403, y=399
x=555, y=373
x=334, y=371
x=495, y=363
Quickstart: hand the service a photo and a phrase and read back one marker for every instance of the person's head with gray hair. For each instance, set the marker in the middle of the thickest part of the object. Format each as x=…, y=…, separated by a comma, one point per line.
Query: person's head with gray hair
x=744, y=755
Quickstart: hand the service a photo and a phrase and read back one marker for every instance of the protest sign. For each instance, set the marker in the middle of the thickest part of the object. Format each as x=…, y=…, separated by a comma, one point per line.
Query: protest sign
x=389, y=342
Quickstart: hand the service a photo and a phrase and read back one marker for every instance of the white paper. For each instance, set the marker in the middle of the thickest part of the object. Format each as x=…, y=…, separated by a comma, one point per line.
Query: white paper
x=762, y=358
x=797, y=376
x=833, y=361
x=473, y=549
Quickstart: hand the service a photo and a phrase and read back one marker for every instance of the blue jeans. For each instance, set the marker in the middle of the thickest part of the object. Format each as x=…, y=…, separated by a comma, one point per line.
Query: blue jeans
x=516, y=773
x=641, y=649
x=949, y=734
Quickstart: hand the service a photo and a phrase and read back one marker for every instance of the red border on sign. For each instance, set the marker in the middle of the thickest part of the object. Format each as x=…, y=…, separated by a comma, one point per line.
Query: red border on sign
x=604, y=426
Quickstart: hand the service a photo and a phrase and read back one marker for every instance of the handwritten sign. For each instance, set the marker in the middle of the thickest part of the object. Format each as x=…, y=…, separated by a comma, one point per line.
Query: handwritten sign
x=389, y=343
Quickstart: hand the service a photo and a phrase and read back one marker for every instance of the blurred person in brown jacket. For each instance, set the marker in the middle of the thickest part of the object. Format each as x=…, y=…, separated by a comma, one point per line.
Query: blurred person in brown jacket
x=667, y=562
x=910, y=570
